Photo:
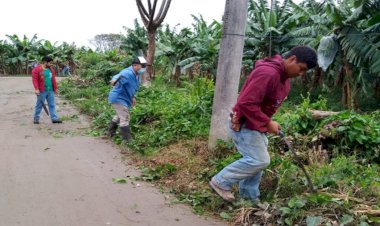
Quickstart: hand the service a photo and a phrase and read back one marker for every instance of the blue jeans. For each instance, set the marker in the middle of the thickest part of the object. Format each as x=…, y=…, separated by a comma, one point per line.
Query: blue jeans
x=66, y=70
x=248, y=170
x=49, y=96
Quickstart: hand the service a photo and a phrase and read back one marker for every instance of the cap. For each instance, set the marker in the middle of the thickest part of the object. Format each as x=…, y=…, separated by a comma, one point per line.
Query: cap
x=140, y=60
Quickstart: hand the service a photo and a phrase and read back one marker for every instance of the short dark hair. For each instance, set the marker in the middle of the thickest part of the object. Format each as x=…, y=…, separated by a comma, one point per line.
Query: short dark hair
x=47, y=59
x=305, y=55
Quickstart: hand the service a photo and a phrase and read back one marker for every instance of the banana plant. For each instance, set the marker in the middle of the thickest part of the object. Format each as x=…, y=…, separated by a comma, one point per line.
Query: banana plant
x=23, y=49
x=355, y=25
x=204, y=45
x=5, y=50
x=172, y=47
x=135, y=41
x=67, y=53
x=346, y=35
x=267, y=26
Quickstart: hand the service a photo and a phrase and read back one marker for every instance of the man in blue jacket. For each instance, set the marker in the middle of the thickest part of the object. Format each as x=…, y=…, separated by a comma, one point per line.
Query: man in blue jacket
x=122, y=96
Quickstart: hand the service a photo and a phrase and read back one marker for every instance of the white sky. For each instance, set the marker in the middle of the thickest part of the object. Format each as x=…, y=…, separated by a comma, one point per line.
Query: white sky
x=80, y=20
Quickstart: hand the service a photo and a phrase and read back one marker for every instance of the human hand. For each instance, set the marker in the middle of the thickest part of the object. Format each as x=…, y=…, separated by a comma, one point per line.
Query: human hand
x=273, y=127
x=37, y=92
x=134, y=102
x=235, y=123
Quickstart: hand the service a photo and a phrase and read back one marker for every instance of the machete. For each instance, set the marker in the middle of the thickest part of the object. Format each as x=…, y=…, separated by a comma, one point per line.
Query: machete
x=309, y=183
x=44, y=107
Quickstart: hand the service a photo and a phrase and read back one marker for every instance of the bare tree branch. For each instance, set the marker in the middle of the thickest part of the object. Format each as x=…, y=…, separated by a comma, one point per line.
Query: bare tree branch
x=162, y=13
x=152, y=11
x=143, y=13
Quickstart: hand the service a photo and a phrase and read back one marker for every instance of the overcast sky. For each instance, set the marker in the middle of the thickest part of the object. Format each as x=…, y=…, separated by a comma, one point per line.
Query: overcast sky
x=80, y=20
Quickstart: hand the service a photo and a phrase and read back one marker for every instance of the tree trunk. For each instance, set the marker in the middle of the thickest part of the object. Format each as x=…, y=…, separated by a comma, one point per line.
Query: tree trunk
x=19, y=68
x=26, y=66
x=229, y=68
x=305, y=81
x=318, y=77
x=73, y=68
x=377, y=89
x=318, y=115
x=150, y=58
x=3, y=64
x=348, y=97
x=177, y=74
x=191, y=74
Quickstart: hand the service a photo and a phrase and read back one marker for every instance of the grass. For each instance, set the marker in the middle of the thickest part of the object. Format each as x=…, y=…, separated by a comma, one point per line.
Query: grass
x=171, y=127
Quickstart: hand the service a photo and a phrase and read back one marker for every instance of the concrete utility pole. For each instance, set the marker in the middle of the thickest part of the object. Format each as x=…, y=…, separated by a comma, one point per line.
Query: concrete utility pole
x=229, y=68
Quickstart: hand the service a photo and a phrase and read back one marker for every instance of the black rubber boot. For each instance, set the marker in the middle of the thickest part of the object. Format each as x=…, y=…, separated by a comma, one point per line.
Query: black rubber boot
x=112, y=129
x=126, y=133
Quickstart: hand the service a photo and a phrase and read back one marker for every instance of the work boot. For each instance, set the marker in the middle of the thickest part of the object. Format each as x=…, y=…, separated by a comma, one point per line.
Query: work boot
x=112, y=129
x=126, y=133
x=225, y=194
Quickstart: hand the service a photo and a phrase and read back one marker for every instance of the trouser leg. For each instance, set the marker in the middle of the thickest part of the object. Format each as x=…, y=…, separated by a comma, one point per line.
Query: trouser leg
x=51, y=104
x=38, y=107
x=123, y=116
x=246, y=171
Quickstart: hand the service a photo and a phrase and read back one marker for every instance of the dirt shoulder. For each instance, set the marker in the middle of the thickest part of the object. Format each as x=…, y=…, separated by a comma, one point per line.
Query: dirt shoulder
x=54, y=174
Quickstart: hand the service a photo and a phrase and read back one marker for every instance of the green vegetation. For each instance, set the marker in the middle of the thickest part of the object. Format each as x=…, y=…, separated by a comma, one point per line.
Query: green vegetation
x=171, y=127
x=171, y=121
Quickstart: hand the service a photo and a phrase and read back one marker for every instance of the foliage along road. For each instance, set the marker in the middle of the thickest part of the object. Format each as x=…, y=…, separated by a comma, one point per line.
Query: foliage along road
x=54, y=174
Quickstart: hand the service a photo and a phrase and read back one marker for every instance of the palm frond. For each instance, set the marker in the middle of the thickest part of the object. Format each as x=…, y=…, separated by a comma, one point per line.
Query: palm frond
x=300, y=41
x=373, y=29
x=189, y=60
x=302, y=32
x=359, y=50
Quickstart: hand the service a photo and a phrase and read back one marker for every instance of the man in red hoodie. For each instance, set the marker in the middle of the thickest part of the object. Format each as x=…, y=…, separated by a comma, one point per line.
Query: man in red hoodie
x=45, y=86
x=266, y=88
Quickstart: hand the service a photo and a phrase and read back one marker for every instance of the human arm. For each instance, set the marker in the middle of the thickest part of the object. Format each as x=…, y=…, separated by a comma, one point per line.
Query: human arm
x=114, y=79
x=53, y=80
x=250, y=102
x=35, y=80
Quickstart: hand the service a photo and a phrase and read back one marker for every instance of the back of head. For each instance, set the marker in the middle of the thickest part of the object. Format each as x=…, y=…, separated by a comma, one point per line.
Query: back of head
x=305, y=55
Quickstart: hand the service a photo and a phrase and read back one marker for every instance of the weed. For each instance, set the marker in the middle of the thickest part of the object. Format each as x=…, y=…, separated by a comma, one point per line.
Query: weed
x=171, y=125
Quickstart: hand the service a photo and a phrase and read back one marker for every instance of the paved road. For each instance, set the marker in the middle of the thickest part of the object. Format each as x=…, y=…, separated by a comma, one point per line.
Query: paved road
x=56, y=175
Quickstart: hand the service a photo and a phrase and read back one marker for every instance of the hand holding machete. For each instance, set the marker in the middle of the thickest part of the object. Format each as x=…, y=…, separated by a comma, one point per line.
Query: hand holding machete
x=309, y=182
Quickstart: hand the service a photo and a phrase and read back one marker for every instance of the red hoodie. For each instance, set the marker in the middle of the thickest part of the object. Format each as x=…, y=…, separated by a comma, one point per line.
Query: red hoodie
x=38, y=80
x=262, y=94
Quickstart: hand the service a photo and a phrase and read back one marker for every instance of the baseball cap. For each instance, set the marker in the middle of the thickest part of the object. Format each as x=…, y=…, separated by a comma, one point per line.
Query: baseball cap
x=140, y=60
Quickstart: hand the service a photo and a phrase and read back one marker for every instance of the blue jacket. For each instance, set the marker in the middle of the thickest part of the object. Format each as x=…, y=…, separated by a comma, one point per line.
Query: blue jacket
x=125, y=88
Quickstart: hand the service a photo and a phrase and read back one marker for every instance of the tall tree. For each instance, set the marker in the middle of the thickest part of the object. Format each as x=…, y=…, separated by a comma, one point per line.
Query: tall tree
x=152, y=22
x=107, y=42
x=229, y=65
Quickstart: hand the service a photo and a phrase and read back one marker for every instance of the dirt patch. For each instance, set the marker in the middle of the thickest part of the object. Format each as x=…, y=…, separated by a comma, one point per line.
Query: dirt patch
x=52, y=171
x=180, y=165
